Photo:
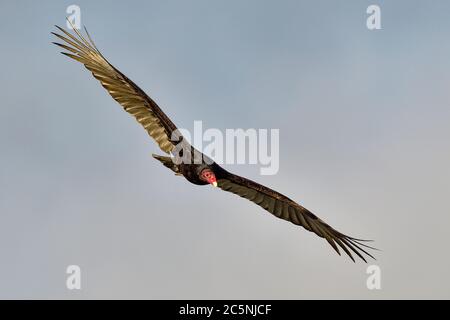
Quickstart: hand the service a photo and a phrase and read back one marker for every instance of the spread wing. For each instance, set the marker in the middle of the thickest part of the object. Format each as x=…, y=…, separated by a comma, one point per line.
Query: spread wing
x=284, y=208
x=122, y=89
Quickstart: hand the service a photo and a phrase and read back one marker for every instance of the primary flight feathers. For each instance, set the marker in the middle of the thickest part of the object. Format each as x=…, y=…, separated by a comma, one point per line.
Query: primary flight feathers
x=160, y=128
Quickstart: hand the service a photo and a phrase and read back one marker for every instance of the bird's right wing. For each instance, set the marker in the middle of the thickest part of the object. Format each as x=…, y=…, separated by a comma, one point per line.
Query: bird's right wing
x=122, y=89
x=286, y=209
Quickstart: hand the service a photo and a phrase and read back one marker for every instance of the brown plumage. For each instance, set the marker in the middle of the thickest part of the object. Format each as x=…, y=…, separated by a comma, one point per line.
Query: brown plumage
x=164, y=132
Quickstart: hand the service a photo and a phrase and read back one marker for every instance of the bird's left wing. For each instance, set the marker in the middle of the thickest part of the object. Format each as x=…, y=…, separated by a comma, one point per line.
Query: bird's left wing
x=284, y=208
x=122, y=89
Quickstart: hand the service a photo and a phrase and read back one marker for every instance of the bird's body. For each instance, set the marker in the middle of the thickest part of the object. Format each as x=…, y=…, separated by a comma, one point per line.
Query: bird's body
x=199, y=170
x=192, y=171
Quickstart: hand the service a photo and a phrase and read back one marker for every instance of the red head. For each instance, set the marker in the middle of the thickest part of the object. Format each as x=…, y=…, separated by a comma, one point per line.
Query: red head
x=208, y=176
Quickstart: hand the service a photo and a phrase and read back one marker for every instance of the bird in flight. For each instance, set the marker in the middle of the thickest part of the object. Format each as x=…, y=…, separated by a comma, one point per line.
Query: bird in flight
x=205, y=171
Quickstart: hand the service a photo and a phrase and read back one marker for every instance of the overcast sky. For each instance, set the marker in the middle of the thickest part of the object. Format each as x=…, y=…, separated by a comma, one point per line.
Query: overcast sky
x=364, y=143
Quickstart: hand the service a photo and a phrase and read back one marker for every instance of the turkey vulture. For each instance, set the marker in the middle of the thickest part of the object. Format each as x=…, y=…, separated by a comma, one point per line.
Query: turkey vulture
x=81, y=48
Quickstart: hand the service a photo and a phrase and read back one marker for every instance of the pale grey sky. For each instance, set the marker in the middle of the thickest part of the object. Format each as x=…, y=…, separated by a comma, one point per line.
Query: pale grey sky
x=364, y=143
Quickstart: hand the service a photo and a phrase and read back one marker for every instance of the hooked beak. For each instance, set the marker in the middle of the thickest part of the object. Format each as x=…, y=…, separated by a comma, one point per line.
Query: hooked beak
x=214, y=183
